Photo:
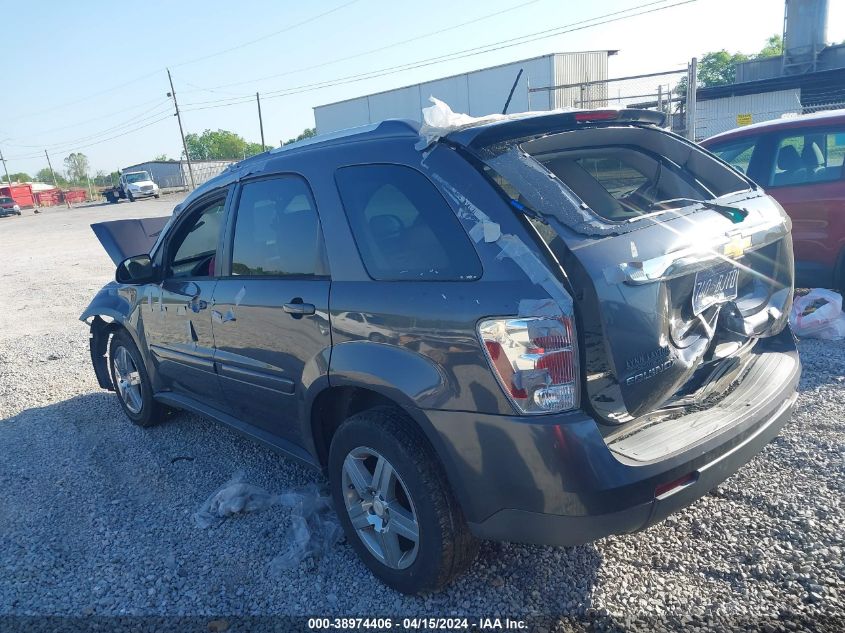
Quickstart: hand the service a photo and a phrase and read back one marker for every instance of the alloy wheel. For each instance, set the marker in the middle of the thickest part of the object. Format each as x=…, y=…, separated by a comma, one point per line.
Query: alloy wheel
x=128, y=380
x=380, y=508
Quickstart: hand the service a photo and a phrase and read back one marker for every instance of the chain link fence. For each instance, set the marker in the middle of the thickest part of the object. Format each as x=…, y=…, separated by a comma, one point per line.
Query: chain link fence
x=666, y=91
x=663, y=91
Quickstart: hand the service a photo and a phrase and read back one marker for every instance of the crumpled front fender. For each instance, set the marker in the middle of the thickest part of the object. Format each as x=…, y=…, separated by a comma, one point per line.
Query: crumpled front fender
x=108, y=302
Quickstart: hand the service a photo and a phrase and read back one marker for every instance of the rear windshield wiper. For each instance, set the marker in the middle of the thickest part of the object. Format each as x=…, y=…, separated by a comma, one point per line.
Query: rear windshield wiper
x=734, y=214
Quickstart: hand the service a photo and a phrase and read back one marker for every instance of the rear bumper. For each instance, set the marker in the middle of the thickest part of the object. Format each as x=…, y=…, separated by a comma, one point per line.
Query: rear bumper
x=551, y=529
x=557, y=482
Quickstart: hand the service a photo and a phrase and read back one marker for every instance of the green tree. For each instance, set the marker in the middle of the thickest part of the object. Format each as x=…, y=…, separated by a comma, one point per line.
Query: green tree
x=102, y=179
x=45, y=176
x=773, y=48
x=306, y=133
x=76, y=165
x=219, y=145
x=718, y=68
x=161, y=157
x=21, y=176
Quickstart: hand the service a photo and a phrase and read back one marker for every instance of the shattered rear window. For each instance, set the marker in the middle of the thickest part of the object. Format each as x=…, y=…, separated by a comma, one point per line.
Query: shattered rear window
x=601, y=180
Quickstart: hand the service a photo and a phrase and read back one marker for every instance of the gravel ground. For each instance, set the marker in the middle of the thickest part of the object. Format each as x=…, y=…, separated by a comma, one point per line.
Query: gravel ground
x=96, y=514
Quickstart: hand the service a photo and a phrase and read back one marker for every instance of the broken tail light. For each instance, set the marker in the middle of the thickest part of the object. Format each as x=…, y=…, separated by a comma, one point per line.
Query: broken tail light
x=534, y=360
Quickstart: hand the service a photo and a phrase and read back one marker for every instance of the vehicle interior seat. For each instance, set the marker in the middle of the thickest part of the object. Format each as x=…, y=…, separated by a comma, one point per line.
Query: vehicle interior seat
x=791, y=167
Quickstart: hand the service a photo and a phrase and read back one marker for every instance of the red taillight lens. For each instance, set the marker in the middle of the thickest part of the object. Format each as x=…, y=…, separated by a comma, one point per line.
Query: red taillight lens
x=534, y=360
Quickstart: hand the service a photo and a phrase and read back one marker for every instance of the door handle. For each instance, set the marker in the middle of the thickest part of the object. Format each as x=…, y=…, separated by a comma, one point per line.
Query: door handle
x=298, y=309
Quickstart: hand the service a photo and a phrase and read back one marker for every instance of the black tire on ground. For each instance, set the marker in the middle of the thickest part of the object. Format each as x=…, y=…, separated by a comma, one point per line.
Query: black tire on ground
x=445, y=545
x=150, y=412
x=130, y=196
x=157, y=196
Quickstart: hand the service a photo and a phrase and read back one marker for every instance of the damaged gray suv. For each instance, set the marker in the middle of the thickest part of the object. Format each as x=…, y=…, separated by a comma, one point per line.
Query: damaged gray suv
x=544, y=329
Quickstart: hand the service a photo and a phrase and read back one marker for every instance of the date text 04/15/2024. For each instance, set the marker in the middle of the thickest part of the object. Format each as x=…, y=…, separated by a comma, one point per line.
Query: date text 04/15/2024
x=421, y=623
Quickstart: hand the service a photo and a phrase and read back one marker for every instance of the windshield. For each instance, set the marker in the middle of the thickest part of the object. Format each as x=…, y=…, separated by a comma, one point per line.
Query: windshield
x=136, y=176
x=6, y=200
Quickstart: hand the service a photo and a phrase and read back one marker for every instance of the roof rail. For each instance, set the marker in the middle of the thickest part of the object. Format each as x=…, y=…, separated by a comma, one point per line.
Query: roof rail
x=390, y=127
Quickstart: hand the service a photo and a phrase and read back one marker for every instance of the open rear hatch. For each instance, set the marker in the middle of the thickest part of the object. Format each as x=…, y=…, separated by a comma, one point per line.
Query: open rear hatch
x=678, y=263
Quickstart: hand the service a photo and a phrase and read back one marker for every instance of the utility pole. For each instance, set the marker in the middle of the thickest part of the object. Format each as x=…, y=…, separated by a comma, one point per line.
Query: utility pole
x=692, y=85
x=260, y=122
x=6, y=169
x=52, y=173
x=172, y=93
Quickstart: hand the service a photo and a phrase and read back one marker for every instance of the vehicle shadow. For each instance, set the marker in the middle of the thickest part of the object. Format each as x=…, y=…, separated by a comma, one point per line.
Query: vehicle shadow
x=95, y=490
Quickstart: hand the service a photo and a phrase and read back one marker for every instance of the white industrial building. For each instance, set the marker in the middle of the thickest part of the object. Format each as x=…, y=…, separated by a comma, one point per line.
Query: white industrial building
x=481, y=92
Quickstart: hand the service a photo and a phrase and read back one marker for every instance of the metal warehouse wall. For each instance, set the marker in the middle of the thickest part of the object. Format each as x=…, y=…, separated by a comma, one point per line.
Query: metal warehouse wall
x=720, y=115
x=175, y=173
x=164, y=174
x=477, y=93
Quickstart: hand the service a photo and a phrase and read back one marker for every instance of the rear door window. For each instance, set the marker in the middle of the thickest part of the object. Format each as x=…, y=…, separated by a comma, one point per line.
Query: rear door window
x=809, y=156
x=277, y=232
x=403, y=227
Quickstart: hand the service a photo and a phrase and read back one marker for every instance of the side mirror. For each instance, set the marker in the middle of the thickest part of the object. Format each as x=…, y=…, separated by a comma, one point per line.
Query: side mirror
x=138, y=269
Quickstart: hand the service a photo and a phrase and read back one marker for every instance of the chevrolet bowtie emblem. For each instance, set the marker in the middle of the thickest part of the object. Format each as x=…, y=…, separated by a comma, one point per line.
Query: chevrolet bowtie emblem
x=737, y=246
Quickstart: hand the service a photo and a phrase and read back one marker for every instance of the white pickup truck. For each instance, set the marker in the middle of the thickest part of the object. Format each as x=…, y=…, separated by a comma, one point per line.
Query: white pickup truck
x=132, y=185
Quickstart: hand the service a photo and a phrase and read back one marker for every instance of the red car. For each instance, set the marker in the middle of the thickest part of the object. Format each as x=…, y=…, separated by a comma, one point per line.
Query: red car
x=799, y=161
x=8, y=206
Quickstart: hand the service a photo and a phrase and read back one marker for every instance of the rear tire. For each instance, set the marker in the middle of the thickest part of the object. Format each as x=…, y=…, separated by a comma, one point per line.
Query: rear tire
x=386, y=478
x=132, y=382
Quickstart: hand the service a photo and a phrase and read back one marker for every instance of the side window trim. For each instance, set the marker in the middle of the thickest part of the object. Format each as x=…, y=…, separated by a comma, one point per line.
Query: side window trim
x=224, y=194
x=224, y=262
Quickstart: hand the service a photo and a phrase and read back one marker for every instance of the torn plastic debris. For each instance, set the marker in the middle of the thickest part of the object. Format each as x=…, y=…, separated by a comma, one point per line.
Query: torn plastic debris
x=233, y=497
x=818, y=314
x=439, y=120
x=314, y=528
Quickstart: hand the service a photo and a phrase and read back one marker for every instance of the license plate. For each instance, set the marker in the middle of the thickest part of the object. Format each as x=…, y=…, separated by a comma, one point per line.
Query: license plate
x=713, y=286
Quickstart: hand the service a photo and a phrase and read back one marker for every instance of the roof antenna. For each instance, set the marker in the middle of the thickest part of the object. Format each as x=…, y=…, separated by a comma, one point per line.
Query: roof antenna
x=510, y=95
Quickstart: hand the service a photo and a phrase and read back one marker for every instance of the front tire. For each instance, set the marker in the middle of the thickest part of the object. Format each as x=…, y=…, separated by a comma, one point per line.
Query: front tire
x=395, y=504
x=132, y=382
x=130, y=196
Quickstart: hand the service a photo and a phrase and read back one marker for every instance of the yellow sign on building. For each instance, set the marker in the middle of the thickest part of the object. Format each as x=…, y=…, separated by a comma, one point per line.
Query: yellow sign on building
x=743, y=119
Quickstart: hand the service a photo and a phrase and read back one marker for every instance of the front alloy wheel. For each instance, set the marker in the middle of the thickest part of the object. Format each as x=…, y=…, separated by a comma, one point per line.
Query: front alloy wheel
x=380, y=508
x=131, y=381
x=128, y=380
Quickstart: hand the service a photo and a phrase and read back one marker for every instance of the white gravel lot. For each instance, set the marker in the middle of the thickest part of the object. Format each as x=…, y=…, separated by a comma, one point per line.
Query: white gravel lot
x=96, y=514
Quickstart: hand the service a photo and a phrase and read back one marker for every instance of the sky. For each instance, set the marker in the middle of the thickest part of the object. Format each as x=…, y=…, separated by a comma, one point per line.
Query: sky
x=91, y=76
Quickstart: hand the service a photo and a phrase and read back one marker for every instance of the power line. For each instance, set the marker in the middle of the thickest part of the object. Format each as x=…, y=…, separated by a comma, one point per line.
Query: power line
x=137, y=79
x=78, y=147
x=470, y=52
x=143, y=116
x=368, y=52
x=265, y=37
x=97, y=118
